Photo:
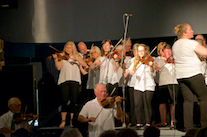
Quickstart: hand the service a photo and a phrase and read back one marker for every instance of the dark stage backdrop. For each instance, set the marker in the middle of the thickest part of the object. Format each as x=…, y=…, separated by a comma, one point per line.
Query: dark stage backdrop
x=58, y=21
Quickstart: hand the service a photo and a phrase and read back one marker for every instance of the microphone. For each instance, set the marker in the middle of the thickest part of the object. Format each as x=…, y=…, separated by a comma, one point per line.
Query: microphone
x=127, y=14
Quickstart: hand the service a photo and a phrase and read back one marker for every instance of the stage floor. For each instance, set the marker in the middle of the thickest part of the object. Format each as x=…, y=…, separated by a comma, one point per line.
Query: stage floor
x=164, y=132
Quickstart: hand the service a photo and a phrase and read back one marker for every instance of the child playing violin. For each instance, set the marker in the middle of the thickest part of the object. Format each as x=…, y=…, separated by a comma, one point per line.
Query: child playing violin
x=166, y=82
x=144, y=85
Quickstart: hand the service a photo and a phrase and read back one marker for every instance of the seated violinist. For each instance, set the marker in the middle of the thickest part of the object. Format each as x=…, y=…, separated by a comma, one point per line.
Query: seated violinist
x=8, y=124
x=98, y=117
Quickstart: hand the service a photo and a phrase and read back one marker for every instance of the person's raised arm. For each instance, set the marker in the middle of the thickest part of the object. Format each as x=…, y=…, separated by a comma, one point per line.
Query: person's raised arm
x=201, y=50
x=82, y=62
x=96, y=63
x=58, y=64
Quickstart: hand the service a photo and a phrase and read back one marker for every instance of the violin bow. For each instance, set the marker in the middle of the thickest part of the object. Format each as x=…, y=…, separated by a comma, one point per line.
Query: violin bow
x=112, y=91
x=54, y=48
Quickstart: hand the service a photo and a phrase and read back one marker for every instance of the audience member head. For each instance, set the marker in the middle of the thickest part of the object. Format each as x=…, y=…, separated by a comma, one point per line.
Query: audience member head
x=22, y=132
x=82, y=47
x=71, y=132
x=14, y=105
x=108, y=133
x=191, y=132
x=183, y=30
x=202, y=132
x=152, y=131
x=127, y=132
x=200, y=39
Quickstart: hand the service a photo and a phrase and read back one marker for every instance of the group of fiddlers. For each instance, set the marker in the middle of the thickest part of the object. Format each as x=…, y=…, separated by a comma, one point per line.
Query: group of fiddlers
x=102, y=74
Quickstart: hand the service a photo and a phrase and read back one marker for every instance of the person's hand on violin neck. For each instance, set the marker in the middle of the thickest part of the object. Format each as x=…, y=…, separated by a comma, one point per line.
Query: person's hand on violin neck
x=54, y=56
x=118, y=100
x=116, y=57
x=150, y=63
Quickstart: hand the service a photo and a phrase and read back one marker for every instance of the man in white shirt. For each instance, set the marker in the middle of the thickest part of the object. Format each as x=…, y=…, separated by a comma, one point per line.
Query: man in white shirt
x=7, y=124
x=99, y=118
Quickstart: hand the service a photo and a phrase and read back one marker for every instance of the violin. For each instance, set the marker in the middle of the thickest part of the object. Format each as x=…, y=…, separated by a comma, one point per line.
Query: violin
x=19, y=117
x=108, y=102
x=61, y=56
x=146, y=60
x=130, y=54
x=202, y=58
x=170, y=60
x=88, y=59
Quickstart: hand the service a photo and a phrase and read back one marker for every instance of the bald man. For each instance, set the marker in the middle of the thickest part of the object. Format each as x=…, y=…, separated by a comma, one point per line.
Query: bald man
x=200, y=38
x=84, y=78
x=7, y=127
x=100, y=119
x=82, y=48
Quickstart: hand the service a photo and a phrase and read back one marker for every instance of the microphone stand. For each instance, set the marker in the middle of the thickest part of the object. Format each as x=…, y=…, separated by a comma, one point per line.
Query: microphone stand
x=122, y=60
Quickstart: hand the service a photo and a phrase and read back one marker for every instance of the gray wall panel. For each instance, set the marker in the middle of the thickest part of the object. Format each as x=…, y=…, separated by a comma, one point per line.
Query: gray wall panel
x=56, y=21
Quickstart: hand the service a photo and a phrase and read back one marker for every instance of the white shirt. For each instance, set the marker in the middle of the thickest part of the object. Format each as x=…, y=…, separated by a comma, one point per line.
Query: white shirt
x=144, y=78
x=187, y=63
x=107, y=69
x=167, y=73
x=6, y=120
x=69, y=71
x=204, y=70
x=132, y=79
x=104, y=121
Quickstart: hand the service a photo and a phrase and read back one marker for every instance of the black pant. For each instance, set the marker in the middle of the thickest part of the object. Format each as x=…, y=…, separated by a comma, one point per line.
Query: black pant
x=132, y=110
x=69, y=90
x=143, y=100
x=189, y=86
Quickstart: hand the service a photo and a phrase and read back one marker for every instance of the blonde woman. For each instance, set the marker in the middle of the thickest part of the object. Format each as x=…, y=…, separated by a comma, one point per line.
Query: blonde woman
x=143, y=87
x=188, y=73
x=69, y=78
x=93, y=74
